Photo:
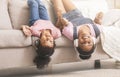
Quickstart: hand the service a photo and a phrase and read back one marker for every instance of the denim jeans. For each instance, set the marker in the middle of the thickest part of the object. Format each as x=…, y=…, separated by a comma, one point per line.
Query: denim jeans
x=37, y=11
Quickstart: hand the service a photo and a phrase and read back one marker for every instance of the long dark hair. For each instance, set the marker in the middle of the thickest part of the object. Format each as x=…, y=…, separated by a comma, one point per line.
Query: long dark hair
x=44, y=51
x=43, y=54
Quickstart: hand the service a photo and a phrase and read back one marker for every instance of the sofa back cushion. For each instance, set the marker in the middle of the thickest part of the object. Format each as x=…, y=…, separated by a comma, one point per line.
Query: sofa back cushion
x=5, y=22
x=19, y=13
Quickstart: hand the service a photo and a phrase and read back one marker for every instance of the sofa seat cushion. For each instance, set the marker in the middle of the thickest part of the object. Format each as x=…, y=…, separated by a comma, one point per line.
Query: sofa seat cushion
x=13, y=38
x=4, y=17
x=63, y=42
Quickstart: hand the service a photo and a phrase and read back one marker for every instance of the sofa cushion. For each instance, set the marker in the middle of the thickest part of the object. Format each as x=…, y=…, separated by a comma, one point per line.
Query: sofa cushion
x=63, y=42
x=4, y=17
x=19, y=13
x=13, y=38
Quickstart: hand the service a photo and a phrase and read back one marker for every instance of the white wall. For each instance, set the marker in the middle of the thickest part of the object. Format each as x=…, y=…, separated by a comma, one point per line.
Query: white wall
x=117, y=4
x=113, y=3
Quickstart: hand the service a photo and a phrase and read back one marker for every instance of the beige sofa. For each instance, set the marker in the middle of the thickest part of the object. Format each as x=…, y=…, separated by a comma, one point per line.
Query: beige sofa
x=17, y=51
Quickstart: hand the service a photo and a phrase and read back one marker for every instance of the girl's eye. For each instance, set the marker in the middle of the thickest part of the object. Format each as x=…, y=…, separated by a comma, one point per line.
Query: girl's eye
x=88, y=42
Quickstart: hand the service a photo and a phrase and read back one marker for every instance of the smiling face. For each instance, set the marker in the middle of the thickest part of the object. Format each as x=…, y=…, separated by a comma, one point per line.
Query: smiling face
x=46, y=38
x=85, y=41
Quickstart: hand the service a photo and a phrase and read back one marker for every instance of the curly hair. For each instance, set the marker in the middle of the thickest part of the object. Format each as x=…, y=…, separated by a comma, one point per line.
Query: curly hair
x=43, y=54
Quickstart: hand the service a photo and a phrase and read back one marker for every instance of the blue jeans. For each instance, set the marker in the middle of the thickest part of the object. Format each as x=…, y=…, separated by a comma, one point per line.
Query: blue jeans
x=37, y=11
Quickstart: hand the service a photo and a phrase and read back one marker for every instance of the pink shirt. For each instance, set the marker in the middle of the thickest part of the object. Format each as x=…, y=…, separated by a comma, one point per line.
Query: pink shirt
x=68, y=30
x=44, y=24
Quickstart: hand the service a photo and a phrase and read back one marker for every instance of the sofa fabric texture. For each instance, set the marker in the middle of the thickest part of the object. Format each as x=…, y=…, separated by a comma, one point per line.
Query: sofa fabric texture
x=5, y=22
x=19, y=13
x=13, y=39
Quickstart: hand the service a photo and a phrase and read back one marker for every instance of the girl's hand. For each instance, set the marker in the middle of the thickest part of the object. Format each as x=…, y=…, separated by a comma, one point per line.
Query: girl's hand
x=64, y=22
x=26, y=30
x=61, y=22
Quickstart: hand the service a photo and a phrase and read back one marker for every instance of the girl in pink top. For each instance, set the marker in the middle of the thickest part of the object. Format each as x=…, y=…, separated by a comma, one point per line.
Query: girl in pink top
x=42, y=27
x=81, y=30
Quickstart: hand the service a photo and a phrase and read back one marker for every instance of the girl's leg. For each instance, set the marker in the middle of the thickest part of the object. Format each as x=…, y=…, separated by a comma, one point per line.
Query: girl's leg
x=34, y=13
x=59, y=10
x=58, y=7
x=43, y=14
x=68, y=4
x=98, y=18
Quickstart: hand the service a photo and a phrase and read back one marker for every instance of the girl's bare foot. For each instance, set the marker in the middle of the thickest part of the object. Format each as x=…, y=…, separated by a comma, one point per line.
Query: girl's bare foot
x=26, y=30
x=98, y=18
